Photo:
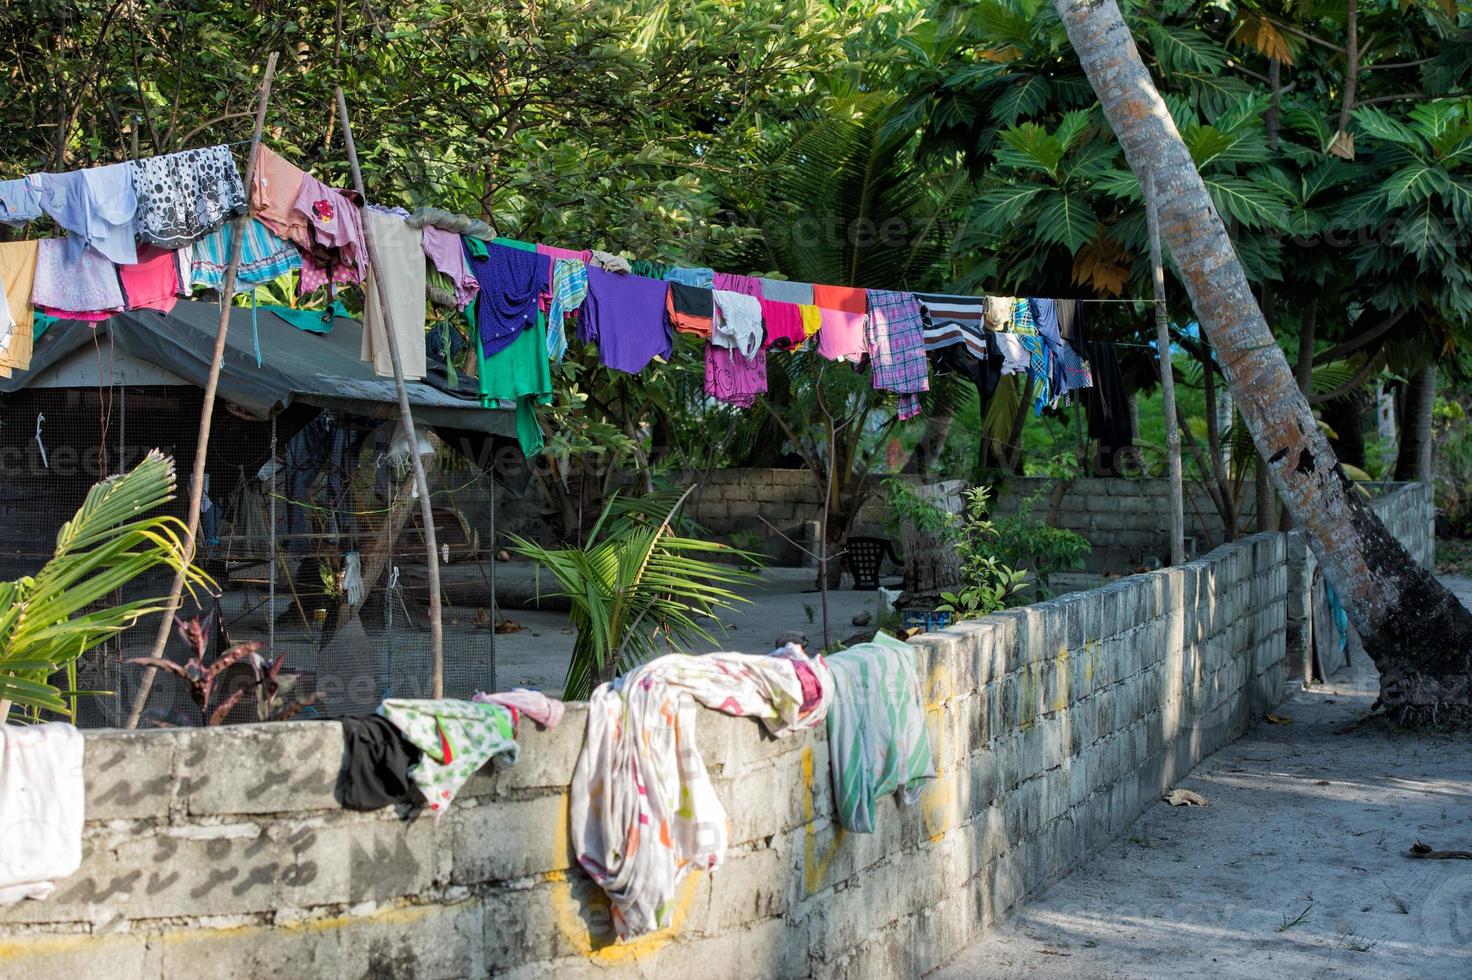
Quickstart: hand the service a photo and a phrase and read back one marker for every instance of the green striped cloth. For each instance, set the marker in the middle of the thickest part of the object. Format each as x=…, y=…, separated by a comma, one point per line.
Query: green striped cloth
x=877, y=741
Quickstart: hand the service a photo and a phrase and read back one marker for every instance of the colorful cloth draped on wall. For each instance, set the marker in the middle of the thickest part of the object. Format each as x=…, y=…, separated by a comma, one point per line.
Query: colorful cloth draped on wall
x=644, y=812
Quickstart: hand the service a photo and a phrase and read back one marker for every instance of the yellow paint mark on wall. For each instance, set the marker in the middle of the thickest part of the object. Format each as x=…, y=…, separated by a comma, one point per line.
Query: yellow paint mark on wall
x=814, y=867
x=938, y=799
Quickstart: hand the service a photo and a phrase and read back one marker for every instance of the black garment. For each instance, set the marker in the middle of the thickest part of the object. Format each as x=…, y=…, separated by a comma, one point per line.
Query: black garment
x=376, y=774
x=984, y=374
x=696, y=301
x=1108, y=408
x=1073, y=325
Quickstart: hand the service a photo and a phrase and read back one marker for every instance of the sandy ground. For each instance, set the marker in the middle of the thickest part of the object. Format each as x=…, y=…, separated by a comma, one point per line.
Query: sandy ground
x=1296, y=868
x=785, y=599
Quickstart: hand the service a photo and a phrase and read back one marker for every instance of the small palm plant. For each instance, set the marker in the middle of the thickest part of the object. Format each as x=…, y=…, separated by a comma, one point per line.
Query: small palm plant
x=47, y=621
x=638, y=589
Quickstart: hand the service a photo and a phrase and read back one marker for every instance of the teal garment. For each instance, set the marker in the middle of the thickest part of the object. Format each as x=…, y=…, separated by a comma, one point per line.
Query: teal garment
x=877, y=740
x=310, y=321
x=520, y=374
x=40, y=322
x=514, y=243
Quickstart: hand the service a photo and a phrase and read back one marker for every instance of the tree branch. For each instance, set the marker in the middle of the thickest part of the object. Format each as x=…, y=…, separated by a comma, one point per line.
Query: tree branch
x=1355, y=343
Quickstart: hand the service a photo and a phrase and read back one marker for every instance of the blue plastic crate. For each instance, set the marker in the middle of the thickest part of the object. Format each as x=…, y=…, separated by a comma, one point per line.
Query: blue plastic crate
x=925, y=619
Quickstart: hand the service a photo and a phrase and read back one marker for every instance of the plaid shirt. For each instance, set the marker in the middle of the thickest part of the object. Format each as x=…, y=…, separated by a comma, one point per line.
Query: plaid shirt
x=1038, y=368
x=896, y=341
x=569, y=289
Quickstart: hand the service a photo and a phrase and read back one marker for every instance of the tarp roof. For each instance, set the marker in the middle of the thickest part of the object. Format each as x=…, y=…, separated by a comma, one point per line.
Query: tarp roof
x=323, y=370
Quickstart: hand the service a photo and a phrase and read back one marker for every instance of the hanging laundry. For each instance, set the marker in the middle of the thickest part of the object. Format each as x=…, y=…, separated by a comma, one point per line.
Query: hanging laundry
x=379, y=757
x=511, y=280
x=584, y=256
x=42, y=801
x=275, y=185
x=644, y=812
x=841, y=335
x=399, y=248
x=1045, y=317
x=734, y=378
x=983, y=372
x=308, y=320
x=1015, y=355
x=546, y=712
x=877, y=740
x=519, y=376
x=152, y=283
x=812, y=320
x=569, y=289
x=699, y=276
x=1108, y=408
x=18, y=277
x=610, y=262
x=691, y=309
x=625, y=316
x=1072, y=372
x=847, y=299
x=264, y=257
x=896, y=341
x=999, y=312
x=786, y=291
x=82, y=288
x=447, y=253
x=455, y=738
x=782, y=323
x=184, y=196
x=96, y=206
x=20, y=201
x=951, y=319
x=732, y=283
x=737, y=322
x=456, y=224
x=335, y=249
x=1073, y=325
x=1039, y=366
x=650, y=269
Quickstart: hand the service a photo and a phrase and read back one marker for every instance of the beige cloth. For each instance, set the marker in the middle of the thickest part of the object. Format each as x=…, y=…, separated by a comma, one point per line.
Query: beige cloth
x=400, y=253
x=18, y=271
x=274, y=186
x=998, y=315
x=611, y=262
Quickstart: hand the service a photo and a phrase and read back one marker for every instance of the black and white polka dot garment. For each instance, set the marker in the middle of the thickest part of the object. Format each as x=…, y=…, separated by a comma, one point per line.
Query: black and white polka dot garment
x=184, y=196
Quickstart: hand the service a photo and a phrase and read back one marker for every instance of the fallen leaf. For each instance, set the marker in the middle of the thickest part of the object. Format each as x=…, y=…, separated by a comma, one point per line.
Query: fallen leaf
x=1184, y=797
x=1420, y=850
x=1273, y=719
x=1321, y=782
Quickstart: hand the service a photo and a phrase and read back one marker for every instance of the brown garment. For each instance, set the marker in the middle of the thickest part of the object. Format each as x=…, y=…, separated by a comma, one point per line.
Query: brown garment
x=18, y=272
x=274, y=186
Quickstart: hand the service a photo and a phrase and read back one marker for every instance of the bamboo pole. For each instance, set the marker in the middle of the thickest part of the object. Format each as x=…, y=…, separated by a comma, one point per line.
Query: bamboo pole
x=206, y=414
x=1167, y=381
x=421, y=482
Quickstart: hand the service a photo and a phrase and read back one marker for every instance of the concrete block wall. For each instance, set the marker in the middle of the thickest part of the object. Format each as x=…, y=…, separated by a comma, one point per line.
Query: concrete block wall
x=222, y=852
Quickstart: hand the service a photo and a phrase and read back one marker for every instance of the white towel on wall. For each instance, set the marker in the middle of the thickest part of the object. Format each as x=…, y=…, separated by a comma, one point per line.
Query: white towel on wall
x=41, y=804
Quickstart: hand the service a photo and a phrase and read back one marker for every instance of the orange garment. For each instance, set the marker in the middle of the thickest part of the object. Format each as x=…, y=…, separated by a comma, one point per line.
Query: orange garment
x=274, y=186
x=18, y=271
x=849, y=299
x=685, y=321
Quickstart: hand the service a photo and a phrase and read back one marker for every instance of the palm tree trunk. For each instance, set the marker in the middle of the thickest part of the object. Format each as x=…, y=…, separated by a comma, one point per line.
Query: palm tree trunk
x=1416, y=631
x=1413, y=460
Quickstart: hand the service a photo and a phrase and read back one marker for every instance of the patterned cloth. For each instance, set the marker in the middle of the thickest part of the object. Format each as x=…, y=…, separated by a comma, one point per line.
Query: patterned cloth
x=84, y=287
x=184, y=196
x=951, y=320
x=896, y=341
x=265, y=256
x=456, y=737
x=1039, y=368
x=877, y=738
x=1073, y=371
x=644, y=811
x=526, y=703
x=569, y=289
x=734, y=378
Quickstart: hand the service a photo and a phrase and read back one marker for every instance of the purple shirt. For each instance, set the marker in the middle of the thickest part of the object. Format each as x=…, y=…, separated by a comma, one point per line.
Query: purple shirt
x=511, y=281
x=447, y=252
x=732, y=282
x=624, y=316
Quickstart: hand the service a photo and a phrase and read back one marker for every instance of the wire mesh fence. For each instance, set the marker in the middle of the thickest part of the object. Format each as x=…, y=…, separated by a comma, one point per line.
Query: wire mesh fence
x=311, y=532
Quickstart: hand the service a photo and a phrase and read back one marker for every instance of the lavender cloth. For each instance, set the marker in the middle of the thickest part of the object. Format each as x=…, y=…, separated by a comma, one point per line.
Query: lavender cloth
x=447, y=252
x=732, y=378
x=511, y=281
x=624, y=316
x=88, y=283
x=96, y=206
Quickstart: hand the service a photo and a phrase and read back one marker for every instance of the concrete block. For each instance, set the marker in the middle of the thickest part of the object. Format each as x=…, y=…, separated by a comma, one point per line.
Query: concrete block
x=130, y=775
x=263, y=768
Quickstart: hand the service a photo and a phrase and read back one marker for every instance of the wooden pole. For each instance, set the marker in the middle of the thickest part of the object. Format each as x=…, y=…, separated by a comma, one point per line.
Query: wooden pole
x=206, y=414
x=406, y=417
x=1167, y=381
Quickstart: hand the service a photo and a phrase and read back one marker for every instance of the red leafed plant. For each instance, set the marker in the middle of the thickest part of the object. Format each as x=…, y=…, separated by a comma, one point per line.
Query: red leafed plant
x=270, y=684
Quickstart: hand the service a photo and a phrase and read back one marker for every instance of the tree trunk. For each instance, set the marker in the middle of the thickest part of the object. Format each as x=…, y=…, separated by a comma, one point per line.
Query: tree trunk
x=1416, y=631
x=931, y=563
x=932, y=440
x=1413, y=461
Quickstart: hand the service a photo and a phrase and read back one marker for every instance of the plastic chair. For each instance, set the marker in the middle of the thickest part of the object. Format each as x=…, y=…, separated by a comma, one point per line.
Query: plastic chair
x=863, y=556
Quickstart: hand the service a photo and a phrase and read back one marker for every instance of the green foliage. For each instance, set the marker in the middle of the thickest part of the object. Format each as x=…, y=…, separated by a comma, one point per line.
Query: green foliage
x=988, y=586
x=48, y=621
x=1022, y=541
x=637, y=588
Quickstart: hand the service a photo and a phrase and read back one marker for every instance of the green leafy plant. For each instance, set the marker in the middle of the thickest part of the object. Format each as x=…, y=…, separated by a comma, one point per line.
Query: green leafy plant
x=906, y=506
x=1022, y=541
x=989, y=586
x=48, y=621
x=637, y=589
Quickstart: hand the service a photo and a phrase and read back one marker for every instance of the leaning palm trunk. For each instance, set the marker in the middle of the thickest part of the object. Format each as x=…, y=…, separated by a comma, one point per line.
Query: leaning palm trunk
x=1419, y=636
